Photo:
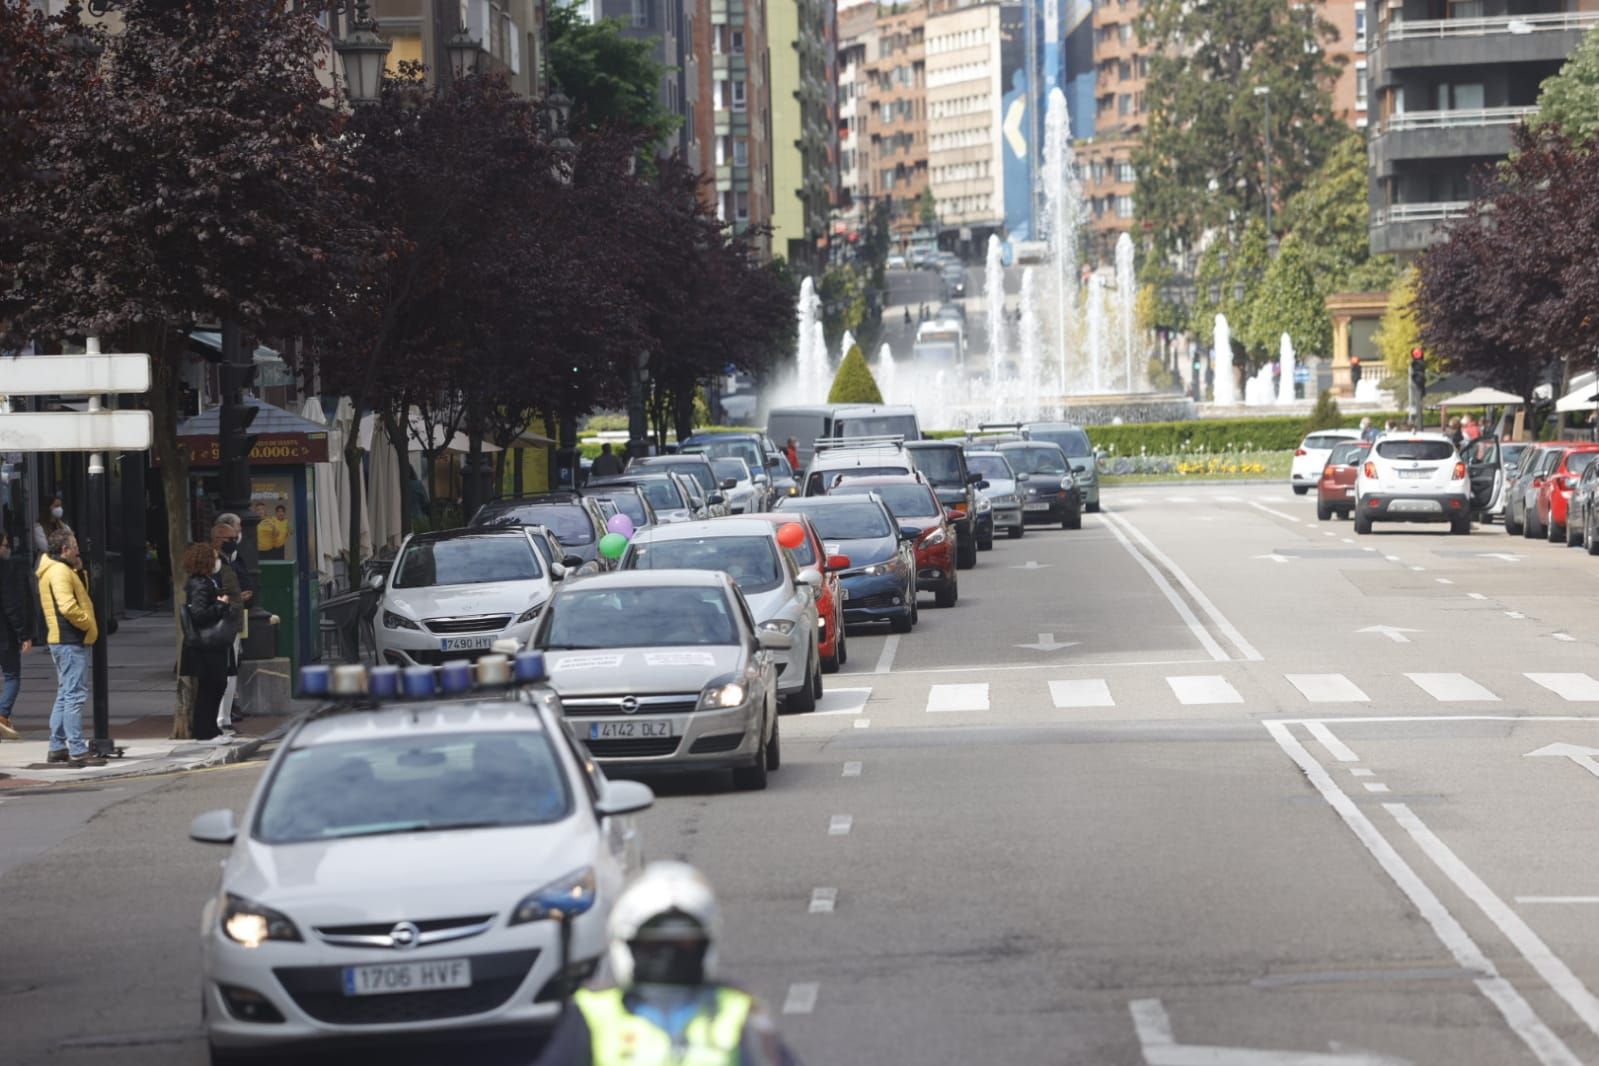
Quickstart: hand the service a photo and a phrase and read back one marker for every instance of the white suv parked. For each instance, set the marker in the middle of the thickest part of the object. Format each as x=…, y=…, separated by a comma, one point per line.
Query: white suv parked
x=1312, y=454
x=1413, y=477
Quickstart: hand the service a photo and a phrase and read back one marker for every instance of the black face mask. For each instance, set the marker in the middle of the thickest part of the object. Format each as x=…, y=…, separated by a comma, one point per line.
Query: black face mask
x=669, y=962
x=230, y=548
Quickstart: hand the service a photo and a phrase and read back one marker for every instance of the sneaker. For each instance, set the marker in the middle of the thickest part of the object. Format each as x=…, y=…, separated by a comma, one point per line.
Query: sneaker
x=59, y=755
x=88, y=758
x=6, y=732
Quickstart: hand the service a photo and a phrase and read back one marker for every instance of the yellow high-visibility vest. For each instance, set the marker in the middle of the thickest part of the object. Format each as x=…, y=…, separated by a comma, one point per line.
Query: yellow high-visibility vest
x=621, y=1038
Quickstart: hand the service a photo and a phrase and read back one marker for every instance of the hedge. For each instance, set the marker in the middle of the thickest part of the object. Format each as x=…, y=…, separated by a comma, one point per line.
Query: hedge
x=1271, y=433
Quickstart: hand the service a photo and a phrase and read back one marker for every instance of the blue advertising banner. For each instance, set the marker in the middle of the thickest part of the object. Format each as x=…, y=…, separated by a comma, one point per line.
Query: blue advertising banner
x=1016, y=124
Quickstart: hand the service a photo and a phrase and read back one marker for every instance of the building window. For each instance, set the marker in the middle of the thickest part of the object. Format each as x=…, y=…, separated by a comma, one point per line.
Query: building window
x=741, y=153
x=1465, y=9
x=1124, y=104
x=1124, y=207
x=1125, y=173
x=1360, y=87
x=741, y=207
x=1360, y=29
x=739, y=102
x=641, y=13
x=738, y=42
x=1124, y=32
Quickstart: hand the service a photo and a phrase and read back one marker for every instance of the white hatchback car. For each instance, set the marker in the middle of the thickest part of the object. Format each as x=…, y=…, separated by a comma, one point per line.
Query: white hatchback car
x=1311, y=456
x=451, y=595
x=412, y=869
x=1413, y=477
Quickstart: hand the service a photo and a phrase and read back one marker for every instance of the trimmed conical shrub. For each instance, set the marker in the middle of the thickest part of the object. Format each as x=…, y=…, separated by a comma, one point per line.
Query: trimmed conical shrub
x=854, y=382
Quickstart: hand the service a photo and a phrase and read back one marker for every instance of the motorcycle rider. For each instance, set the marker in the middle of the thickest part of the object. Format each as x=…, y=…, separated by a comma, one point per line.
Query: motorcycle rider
x=667, y=1008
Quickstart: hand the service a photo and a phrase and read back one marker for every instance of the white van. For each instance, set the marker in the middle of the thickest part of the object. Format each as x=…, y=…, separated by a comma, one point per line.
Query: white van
x=805, y=424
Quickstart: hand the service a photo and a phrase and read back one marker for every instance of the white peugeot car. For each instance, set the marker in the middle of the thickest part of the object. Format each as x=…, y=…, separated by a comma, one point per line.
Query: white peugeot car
x=1311, y=457
x=782, y=597
x=409, y=870
x=451, y=595
x=1413, y=477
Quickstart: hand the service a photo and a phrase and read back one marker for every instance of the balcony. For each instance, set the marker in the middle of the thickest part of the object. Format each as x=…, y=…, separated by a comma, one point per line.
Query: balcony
x=1464, y=134
x=1412, y=227
x=1488, y=42
x=1520, y=25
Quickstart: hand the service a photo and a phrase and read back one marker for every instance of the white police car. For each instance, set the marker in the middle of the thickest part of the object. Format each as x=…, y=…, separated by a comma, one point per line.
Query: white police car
x=411, y=866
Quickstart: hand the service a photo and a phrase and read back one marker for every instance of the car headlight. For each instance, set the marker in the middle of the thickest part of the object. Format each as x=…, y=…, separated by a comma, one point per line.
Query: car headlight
x=793, y=490
x=395, y=621
x=531, y=613
x=984, y=505
x=250, y=924
x=778, y=625
x=565, y=897
x=721, y=697
x=934, y=539
x=890, y=566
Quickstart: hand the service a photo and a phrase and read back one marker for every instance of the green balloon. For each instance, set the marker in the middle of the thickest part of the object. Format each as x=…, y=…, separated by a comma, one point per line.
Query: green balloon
x=612, y=545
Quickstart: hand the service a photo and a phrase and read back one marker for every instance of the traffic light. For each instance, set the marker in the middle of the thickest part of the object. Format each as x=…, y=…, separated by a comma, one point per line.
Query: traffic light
x=1354, y=370
x=1418, y=371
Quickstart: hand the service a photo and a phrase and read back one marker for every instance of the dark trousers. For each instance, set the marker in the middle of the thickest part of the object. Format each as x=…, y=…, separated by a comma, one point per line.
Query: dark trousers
x=209, y=668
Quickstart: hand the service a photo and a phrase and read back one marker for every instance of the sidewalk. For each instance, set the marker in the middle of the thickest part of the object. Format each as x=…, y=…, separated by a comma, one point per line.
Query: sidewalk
x=143, y=690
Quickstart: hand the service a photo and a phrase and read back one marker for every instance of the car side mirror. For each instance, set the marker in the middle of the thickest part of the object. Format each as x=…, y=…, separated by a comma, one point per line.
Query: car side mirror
x=811, y=578
x=572, y=562
x=1024, y=477
x=952, y=515
x=762, y=479
x=983, y=483
x=214, y=827
x=909, y=532
x=975, y=479
x=557, y=572
x=715, y=499
x=772, y=640
x=624, y=797
x=838, y=562
x=375, y=581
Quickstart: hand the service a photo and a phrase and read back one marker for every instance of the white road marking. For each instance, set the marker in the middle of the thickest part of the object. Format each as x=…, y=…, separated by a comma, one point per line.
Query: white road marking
x=1047, y=642
x=1206, y=641
x=1393, y=633
x=1327, y=688
x=842, y=701
x=1391, y=558
x=1514, y=614
x=1228, y=499
x=1549, y=1049
x=801, y=998
x=1376, y=786
x=1583, y=757
x=1159, y=1045
x=972, y=697
x=1328, y=533
x=1573, y=688
x=1274, y=557
x=1555, y=972
x=1557, y=899
x=822, y=900
x=1087, y=692
x=1031, y=565
x=885, y=660
x=1279, y=514
x=852, y=769
x=1230, y=631
x=1349, y=540
x=1476, y=595
x=1335, y=747
x=1179, y=499
x=840, y=825
x=1418, y=569
x=1361, y=771
x=1567, y=637
x=1443, y=581
x=862, y=723
x=1211, y=688
x=1368, y=549
x=1451, y=688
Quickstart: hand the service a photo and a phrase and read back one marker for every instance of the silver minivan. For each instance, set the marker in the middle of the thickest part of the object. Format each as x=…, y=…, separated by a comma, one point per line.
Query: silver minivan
x=806, y=424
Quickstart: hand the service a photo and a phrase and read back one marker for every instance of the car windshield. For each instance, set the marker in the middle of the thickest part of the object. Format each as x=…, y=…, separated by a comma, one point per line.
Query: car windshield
x=466, y=561
x=568, y=521
x=990, y=467
x=1322, y=442
x=653, y=617
x=906, y=501
x=751, y=561
x=662, y=493
x=1510, y=455
x=1577, y=462
x=414, y=784
x=731, y=468
x=699, y=471
x=1347, y=453
x=1426, y=450
x=879, y=426
x=627, y=502
x=865, y=521
x=1073, y=442
x=746, y=450
x=804, y=555
x=825, y=480
x=1036, y=460
x=942, y=466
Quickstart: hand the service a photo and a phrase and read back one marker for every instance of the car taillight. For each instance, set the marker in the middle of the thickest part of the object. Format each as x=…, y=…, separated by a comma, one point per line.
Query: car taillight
x=1460, y=472
x=1298, y=452
x=1371, y=469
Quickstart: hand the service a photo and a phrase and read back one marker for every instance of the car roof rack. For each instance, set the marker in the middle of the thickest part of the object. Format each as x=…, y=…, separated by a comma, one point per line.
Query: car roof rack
x=886, y=442
x=1012, y=426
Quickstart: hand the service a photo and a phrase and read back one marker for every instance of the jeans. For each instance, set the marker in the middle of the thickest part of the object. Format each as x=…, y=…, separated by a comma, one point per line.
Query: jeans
x=72, y=692
x=11, y=666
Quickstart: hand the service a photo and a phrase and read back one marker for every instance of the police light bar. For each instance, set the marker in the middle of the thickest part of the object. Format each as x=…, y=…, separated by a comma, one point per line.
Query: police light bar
x=497, y=670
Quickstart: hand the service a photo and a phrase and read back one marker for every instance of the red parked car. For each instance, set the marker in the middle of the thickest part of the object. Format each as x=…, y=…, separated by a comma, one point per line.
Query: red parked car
x=812, y=554
x=1335, y=489
x=1554, y=491
x=915, y=506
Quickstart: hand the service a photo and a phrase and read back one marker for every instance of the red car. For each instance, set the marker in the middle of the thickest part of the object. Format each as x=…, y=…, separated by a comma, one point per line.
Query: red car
x=1554, y=491
x=1335, y=489
x=830, y=642
x=915, y=506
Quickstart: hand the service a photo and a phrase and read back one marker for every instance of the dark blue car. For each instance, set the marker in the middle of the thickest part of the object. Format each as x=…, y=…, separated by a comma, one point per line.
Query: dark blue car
x=880, y=583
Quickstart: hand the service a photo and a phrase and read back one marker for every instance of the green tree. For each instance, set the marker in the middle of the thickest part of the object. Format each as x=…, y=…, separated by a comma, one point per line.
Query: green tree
x=1570, y=99
x=1201, y=163
x=853, y=383
x=1329, y=217
x=927, y=208
x=1398, y=332
x=613, y=79
x=1325, y=415
x=1228, y=275
x=1291, y=302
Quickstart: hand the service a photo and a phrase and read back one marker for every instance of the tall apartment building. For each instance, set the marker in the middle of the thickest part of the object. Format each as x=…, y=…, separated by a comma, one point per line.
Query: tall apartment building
x=1105, y=163
x=742, y=123
x=1449, y=82
x=965, y=55
x=857, y=40
x=804, y=56
x=897, y=106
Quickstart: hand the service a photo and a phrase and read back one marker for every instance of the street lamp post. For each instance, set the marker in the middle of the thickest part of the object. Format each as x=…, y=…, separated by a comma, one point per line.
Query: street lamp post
x=1264, y=92
x=363, y=53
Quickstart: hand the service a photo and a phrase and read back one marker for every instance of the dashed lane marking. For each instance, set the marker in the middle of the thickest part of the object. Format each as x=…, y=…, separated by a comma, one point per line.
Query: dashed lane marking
x=1203, y=689
x=801, y=998
x=1087, y=692
x=968, y=697
x=840, y=825
x=1327, y=688
x=1451, y=688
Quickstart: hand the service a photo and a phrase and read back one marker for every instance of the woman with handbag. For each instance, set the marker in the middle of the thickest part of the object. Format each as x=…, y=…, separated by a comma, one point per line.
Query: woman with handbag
x=208, y=634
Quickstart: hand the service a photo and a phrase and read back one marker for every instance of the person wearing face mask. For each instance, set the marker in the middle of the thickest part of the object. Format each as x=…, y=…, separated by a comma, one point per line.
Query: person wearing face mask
x=16, y=634
x=70, y=630
x=225, y=542
x=667, y=1008
x=48, y=523
x=208, y=606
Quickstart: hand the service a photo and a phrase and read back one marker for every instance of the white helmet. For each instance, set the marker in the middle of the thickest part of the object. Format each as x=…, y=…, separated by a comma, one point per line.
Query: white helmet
x=663, y=889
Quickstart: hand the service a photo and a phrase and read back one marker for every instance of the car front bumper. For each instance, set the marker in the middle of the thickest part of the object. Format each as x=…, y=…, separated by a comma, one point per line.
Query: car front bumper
x=1413, y=507
x=703, y=740
x=410, y=647
x=873, y=597
x=1056, y=509
x=1008, y=517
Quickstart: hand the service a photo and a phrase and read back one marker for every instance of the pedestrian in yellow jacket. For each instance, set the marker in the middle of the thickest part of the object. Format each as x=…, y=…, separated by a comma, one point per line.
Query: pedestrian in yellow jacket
x=70, y=629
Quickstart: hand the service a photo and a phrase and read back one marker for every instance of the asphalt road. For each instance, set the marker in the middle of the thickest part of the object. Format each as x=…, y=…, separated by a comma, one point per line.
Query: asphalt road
x=1204, y=773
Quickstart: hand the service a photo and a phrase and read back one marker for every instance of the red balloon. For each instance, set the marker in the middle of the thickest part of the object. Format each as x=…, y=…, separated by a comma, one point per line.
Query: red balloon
x=791, y=535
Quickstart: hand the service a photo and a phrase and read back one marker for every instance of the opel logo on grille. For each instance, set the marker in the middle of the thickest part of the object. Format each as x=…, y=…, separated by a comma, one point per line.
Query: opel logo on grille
x=629, y=704
x=405, y=936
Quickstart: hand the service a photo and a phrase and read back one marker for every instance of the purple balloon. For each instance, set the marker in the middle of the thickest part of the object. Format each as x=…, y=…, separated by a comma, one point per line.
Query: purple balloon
x=620, y=523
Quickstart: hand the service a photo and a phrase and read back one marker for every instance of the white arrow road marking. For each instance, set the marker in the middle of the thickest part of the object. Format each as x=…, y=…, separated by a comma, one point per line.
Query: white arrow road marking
x=840, y=825
x=1047, y=642
x=1587, y=758
x=822, y=900
x=1031, y=565
x=1509, y=557
x=1274, y=557
x=1567, y=637
x=1161, y=1048
x=1393, y=633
